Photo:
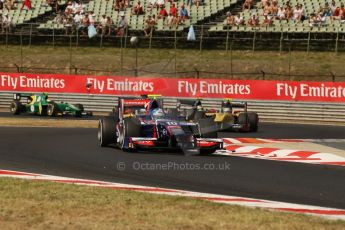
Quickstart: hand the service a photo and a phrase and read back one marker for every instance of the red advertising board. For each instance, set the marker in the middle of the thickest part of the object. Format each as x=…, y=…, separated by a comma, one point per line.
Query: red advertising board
x=175, y=87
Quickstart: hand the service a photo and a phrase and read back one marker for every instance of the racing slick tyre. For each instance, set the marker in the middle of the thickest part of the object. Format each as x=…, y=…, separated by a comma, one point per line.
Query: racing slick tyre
x=173, y=113
x=52, y=110
x=131, y=128
x=106, y=131
x=253, y=119
x=80, y=107
x=208, y=128
x=15, y=107
x=81, y=110
x=205, y=152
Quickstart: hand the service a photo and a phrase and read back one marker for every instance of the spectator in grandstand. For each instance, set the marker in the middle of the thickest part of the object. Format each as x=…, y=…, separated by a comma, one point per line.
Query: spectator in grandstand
x=189, y=2
x=68, y=23
x=109, y=25
x=316, y=20
x=162, y=13
x=101, y=27
x=197, y=3
x=1, y=6
x=91, y=18
x=149, y=26
x=267, y=9
x=152, y=4
x=281, y=13
x=69, y=8
x=138, y=9
x=339, y=13
x=170, y=20
x=326, y=10
x=78, y=19
x=78, y=7
x=298, y=13
x=247, y=4
x=160, y=3
x=173, y=10
x=59, y=18
x=6, y=23
x=119, y=5
x=274, y=9
x=239, y=21
x=230, y=19
x=122, y=25
x=253, y=21
x=9, y=4
x=183, y=14
x=26, y=3
x=263, y=3
x=288, y=11
x=267, y=20
x=333, y=7
x=84, y=24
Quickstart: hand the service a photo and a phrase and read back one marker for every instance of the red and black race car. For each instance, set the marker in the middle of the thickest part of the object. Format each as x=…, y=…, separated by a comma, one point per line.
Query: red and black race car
x=141, y=123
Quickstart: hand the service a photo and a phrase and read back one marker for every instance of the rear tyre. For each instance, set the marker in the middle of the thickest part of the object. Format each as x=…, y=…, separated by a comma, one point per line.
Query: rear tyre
x=253, y=119
x=205, y=152
x=52, y=110
x=208, y=128
x=15, y=107
x=106, y=131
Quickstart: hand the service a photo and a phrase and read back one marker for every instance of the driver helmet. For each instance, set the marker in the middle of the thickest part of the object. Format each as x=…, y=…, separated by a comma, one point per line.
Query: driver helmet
x=157, y=113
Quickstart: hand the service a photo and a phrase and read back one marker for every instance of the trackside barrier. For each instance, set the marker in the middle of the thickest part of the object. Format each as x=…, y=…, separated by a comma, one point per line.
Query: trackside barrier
x=333, y=113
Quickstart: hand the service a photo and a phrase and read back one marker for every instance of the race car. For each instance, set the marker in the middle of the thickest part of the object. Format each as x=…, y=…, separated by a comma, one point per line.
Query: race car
x=39, y=104
x=227, y=119
x=141, y=123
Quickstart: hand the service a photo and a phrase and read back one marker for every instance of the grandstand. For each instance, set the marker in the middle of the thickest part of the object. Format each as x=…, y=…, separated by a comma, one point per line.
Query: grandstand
x=208, y=20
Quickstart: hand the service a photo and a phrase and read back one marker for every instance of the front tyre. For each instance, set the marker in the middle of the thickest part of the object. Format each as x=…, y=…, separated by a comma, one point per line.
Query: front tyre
x=106, y=131
x=51, y=110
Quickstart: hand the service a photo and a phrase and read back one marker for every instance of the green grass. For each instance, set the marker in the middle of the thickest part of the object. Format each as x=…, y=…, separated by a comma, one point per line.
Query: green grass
x=219, y=64
x=45, y=205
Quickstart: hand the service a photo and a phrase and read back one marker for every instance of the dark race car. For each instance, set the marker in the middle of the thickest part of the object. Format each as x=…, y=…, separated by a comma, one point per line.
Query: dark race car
x=141, y=123
x=232, y=116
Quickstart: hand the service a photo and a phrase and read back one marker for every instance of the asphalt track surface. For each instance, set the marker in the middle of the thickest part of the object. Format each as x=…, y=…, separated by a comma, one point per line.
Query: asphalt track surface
x=74, y=152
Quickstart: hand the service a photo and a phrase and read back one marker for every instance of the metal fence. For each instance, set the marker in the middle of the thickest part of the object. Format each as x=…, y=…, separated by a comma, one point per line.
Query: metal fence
x=280, y=111
x=246, y=55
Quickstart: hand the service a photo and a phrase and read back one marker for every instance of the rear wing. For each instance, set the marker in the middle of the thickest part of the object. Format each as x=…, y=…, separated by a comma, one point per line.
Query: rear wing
x=18, y=96
x=191, y=102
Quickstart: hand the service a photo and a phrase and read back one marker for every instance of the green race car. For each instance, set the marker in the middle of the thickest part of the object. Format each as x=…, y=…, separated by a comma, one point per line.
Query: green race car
x=39, y=104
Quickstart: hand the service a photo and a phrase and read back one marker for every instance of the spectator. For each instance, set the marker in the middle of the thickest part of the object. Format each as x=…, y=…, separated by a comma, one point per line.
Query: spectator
x=6, y=23
x=326, y=10
x=183, y=13
x=288, y=11
x=253, y=21
x=230, y=20
x=123, y=24
x=247, y=4
x=170, y=19
x=149, y=26
x=26, y=3
x=152, y=4
x=239, y=21
x=160, y=3
x=316, y=20
x=268, y=9
x=138, y=9
x=102, y=25
x=59, y=18
x=173, y=10
x=1, y=6
x=78, y=19
x=9, y=4
x=119, y=5
x=69, y=8
x=264, y=3
x=162, y=13
x=68, y=23
x=85, y=24
x=91, y=18
x=274, y=8
x=281, y=13
x=339, y=13
x=333, y=7
x=197, y=3
x=189, y=2
x=267, y=20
